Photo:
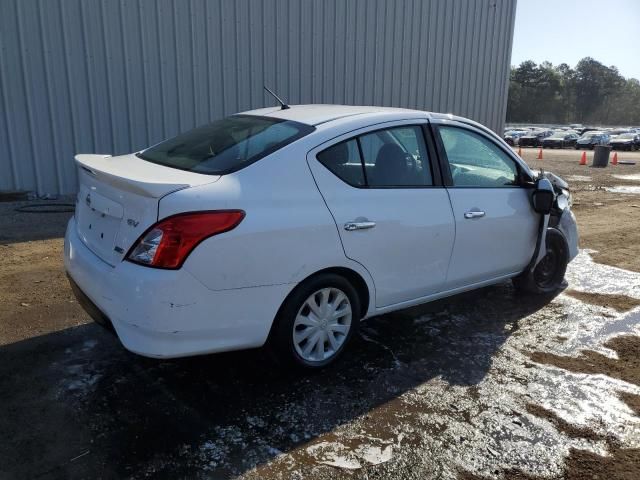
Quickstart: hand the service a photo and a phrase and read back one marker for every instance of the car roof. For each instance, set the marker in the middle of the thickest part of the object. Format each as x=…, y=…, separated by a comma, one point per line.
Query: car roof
x=329, y=116
x=316, y=114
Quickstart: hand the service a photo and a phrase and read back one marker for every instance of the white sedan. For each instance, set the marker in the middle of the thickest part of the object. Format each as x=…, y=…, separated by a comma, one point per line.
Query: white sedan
x=288, y=227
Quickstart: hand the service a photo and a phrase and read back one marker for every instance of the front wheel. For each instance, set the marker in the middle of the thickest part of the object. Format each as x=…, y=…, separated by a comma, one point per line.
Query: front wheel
x=316, y=322
x=548, y=275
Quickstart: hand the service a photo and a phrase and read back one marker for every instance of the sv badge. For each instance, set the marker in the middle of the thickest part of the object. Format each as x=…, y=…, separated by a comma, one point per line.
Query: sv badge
x=132, y=223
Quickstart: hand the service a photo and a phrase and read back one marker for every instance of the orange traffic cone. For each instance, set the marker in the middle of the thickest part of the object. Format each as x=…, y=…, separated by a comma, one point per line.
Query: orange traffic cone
x=540, y=154
x=520, y=151
x=583, y=158
x=615, y=159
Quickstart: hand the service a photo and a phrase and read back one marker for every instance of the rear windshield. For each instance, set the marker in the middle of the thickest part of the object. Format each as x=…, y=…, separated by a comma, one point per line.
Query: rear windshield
x=226, y=145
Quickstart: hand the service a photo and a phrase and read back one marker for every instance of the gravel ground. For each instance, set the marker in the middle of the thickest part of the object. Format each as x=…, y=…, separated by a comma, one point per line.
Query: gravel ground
x=487, y=384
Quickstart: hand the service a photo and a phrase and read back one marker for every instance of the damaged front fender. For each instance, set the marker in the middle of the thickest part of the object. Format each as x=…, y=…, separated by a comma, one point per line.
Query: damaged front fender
x=569, y=228
x=561, y=217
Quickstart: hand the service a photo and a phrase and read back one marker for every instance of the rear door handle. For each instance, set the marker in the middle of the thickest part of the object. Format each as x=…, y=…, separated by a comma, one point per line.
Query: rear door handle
x=351, y=226
x=474, y=214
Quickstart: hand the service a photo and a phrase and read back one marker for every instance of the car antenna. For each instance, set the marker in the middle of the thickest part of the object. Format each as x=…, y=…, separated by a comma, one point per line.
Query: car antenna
x=283, y=106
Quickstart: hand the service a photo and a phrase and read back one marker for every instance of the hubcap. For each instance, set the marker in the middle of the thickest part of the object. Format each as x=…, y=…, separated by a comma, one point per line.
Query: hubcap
x=322, y=324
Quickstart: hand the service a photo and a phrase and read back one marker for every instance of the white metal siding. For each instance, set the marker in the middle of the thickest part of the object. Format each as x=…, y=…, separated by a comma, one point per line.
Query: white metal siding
x=108, y=76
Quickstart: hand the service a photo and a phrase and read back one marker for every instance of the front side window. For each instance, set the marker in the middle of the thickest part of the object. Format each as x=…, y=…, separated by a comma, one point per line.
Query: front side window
x=476, y=161
x=226, y=145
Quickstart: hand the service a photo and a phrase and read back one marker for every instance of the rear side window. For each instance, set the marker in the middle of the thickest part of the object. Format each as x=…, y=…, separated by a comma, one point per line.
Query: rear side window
x=226, y=145
x=393, y=157
x=396, y=157
x=343, y=159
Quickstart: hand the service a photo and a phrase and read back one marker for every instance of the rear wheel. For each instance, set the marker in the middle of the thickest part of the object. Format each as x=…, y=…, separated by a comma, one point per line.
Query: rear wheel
x=316, y=322
x=548, y=275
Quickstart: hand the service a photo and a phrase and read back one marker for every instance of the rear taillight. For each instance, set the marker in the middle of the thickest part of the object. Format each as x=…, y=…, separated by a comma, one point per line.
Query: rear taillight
x=168, y=243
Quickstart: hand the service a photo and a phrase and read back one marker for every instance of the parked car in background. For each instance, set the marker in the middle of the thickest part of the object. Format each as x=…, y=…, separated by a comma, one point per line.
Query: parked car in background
x=591, y=139
x=560, y=140
x=626, y=141
x=534, y=138
x=512, y=137
x=617, y=131
x=288, y=226
x=584, y=130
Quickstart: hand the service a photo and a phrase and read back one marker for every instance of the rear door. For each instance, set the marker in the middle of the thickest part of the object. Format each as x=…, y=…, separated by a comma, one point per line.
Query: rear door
x=496, y=227
x=384, y=191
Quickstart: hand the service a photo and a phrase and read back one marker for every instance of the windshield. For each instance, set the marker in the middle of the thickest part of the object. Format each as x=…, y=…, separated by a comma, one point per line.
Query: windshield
x=226, y=145
x=587, y=136
x=558, y=135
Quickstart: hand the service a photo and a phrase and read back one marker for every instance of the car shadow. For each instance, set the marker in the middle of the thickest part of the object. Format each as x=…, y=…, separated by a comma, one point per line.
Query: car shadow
x=76, y=404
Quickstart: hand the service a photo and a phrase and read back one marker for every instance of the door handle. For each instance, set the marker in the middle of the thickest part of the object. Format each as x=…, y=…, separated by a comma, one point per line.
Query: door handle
x=351, y=226
x=473, y=214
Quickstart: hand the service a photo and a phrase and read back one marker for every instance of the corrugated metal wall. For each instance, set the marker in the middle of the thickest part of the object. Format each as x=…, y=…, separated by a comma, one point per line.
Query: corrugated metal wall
x=109, y=76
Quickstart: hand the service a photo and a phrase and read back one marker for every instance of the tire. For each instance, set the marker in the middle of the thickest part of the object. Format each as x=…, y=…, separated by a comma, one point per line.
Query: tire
x=296, y=315
x=548, y=276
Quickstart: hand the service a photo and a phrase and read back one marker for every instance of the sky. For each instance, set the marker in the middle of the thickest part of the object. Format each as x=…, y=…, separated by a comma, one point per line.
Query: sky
x=565, y=31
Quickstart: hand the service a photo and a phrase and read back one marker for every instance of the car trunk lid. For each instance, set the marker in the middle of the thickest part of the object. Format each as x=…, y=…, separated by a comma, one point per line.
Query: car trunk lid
x=118, y=200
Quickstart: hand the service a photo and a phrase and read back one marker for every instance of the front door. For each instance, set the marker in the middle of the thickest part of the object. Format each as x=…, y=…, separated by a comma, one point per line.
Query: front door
x=496, y=227
x=392, y=213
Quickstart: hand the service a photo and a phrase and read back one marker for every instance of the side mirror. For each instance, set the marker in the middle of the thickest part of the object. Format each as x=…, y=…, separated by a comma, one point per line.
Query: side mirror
x=542, y=201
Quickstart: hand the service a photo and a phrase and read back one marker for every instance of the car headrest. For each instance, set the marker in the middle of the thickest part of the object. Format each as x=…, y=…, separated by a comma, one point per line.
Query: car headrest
x=391, y=158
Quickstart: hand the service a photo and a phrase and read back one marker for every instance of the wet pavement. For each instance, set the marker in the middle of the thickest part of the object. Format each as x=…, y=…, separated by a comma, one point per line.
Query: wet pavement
x=439, y=391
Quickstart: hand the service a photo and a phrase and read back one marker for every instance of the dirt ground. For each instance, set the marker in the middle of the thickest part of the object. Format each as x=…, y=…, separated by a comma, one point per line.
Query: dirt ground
x=606, y=218
x=486, y=384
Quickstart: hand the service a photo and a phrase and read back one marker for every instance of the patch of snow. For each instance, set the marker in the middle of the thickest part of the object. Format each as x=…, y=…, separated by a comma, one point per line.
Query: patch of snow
x=375, y=455
x=634, y=177
x=628, y=189
x=578, y=178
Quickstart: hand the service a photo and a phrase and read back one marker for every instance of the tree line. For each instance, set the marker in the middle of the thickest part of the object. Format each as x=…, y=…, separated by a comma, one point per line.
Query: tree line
x=590, y=93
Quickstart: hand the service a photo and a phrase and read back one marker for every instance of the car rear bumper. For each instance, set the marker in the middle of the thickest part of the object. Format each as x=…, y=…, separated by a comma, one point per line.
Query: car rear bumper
x=168, y=313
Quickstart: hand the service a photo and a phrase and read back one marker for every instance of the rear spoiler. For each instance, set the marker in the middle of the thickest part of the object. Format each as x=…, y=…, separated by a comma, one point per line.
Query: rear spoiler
x=133, y=174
